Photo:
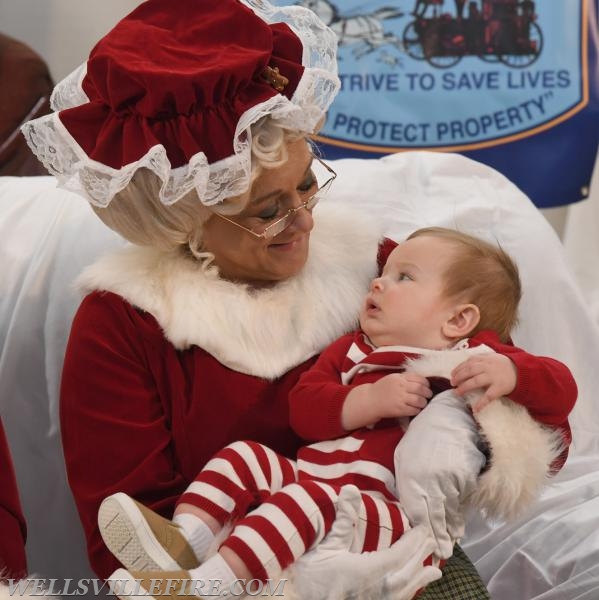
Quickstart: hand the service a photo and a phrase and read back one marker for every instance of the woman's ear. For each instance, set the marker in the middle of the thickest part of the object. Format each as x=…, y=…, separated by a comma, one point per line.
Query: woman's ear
x=463, y=320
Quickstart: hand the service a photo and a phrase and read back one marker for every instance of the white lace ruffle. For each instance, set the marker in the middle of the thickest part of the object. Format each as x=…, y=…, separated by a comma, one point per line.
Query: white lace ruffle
x=60, y=153
x=68, y=92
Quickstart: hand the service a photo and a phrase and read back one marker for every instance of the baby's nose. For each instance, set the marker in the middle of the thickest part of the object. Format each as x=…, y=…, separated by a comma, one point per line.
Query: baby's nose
x=376, y=284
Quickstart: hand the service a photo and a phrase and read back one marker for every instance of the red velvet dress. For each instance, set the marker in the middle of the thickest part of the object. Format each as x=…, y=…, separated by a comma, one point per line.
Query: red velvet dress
x=13, y=562
x=147, y=398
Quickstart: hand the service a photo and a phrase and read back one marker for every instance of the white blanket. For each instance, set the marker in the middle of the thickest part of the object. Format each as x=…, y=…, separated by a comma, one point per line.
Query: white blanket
x=47, y=236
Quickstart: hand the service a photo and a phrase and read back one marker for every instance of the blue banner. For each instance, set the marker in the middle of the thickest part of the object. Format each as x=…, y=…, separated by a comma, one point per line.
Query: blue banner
x=511, y=83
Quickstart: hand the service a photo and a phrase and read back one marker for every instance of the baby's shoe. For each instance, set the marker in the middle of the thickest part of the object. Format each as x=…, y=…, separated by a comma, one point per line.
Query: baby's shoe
x=141, y=539
x=149, y=584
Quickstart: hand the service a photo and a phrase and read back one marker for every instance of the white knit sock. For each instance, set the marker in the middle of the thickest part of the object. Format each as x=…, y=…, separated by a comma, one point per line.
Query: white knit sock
x=215, y=568
x=196, y=532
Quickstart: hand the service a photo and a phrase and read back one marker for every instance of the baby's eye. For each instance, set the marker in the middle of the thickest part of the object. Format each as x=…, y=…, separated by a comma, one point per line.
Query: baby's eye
x=404, y=277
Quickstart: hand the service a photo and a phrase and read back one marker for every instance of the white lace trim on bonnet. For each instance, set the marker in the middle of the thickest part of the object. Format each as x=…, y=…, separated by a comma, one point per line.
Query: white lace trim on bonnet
x=60, y=153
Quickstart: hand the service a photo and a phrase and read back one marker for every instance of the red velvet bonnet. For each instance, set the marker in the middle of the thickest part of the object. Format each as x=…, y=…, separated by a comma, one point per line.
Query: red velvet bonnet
x=175, y=87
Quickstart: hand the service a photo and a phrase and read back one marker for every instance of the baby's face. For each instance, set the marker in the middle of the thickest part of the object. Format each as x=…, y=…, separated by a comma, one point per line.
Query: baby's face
x=406, y=305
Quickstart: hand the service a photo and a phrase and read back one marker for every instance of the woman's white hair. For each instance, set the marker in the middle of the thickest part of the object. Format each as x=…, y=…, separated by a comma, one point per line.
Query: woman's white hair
x=137, y=214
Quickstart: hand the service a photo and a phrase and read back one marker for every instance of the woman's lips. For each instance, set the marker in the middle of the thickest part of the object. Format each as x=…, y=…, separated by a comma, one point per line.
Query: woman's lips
x=287, y=246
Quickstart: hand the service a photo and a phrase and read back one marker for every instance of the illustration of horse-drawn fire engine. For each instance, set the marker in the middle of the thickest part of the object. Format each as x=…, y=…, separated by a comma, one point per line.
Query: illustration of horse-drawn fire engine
x=497, y=30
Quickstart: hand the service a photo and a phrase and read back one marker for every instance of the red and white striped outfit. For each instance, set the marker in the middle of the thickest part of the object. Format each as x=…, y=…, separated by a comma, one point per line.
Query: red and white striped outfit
x=290, y=512
x=292, y=504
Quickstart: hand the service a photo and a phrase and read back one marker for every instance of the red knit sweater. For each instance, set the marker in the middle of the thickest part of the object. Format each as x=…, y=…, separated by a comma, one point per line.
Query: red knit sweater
x=545, y=387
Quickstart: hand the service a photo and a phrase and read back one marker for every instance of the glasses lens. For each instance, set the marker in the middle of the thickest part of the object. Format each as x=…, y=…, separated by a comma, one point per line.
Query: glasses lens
x=282, y=224
x=323, y=191
x=278, y=226
x=327, y=175
x=313, y=200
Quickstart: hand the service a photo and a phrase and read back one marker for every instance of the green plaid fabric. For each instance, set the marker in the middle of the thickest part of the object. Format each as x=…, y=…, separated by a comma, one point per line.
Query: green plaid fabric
x=460, y=581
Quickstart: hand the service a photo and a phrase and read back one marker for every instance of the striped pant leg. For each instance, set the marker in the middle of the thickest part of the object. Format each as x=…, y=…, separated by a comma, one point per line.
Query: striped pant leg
x=238, y=478
x=283, y=528
x=380, y=523
x=297, y=518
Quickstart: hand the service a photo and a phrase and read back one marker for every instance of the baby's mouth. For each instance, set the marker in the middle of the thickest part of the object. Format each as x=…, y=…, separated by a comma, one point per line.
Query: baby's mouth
x=371, y=306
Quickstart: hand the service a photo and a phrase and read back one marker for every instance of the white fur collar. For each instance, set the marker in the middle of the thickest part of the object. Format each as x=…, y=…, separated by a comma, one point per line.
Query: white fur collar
x=259, y=332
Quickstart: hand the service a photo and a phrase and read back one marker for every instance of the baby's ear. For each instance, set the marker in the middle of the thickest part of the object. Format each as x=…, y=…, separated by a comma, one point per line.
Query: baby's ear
x=463, y=320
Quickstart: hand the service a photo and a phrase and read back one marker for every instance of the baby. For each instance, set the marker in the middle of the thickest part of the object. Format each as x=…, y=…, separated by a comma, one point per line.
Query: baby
x=440, y=290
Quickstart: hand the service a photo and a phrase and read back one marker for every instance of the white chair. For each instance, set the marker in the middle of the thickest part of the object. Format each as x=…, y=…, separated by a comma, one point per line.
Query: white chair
x=47, y=236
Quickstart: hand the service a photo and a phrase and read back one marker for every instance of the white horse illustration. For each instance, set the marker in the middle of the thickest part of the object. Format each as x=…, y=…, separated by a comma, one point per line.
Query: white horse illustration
x=389, y=59
x=365, y=30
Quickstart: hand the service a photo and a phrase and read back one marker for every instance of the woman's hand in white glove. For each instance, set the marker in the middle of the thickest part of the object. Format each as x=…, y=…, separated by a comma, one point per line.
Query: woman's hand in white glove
x=332, y=572
x=437, y=463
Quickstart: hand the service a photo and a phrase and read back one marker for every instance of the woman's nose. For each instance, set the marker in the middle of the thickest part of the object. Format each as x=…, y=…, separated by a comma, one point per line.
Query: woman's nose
x=302, y=220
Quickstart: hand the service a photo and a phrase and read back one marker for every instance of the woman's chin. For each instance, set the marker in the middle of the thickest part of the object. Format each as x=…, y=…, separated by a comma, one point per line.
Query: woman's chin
x=289, y=269
x=290, y=257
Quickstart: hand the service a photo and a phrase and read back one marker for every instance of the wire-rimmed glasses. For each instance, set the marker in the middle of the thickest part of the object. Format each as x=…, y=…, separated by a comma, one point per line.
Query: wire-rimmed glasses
x=280, y=224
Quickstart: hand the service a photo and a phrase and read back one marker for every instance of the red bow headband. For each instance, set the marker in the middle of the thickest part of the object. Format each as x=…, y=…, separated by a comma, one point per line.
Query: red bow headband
x=175, y=87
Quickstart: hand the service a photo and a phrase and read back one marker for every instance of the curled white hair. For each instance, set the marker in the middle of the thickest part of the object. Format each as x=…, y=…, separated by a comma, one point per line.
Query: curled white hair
x=137, y=214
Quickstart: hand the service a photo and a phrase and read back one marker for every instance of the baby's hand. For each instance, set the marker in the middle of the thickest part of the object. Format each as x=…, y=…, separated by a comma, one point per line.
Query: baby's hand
x=400, y=395
x=496, y=374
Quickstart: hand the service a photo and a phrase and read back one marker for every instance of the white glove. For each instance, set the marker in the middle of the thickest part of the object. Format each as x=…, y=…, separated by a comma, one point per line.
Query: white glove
x=332, y=572
x=437, y=464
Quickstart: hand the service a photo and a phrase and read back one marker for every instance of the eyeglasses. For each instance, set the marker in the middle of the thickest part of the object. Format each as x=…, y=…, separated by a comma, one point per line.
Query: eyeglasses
x=280, y=224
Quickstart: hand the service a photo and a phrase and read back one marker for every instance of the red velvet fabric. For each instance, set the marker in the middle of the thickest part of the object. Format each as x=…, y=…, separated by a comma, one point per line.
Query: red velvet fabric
x=140, y=417
x=13, y=562
x=187, y=89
